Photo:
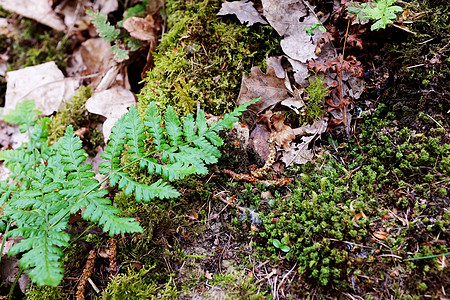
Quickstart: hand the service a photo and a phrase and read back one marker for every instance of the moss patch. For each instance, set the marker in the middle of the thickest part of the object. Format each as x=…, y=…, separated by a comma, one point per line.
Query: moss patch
x=202, y=57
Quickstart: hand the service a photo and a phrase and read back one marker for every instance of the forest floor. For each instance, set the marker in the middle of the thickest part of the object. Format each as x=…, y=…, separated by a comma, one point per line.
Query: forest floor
x=335, y=185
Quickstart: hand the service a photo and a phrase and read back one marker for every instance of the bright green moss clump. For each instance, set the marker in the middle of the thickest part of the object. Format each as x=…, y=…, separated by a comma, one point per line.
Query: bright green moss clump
x=74, y=113
x=137, y=285
x=202, y=57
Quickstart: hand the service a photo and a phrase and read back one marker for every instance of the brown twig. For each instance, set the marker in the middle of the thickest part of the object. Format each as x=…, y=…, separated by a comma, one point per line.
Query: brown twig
x=87, y=272
x=113, y=256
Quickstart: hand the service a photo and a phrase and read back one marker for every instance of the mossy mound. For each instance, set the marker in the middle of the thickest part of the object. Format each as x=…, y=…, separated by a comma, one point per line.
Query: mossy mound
x=202, y=57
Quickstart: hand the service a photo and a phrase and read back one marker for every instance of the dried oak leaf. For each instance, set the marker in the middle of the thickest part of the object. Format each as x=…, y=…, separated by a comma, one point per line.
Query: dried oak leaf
x=45, y=83
x=350, y=64
x=244, y=11
x=268, y=86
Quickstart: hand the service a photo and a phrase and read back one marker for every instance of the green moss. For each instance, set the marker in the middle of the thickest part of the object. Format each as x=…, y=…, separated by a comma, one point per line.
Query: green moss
x=202, y=57
x=138, y=285
x=74, y=113
x=44, y=293
x=34, y=44
x=315, y=100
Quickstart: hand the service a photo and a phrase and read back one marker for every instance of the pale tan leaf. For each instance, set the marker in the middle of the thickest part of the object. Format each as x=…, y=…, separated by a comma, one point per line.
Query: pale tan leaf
x=112, y=104
x=244, y=11
x=141, y=29
x=38, y=10
x=44, y=83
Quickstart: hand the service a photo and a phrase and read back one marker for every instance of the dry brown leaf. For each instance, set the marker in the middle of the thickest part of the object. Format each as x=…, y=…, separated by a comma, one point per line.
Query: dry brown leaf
x=244, y=11
x=112, y=104
x=44, y=83
x=258, y=141
x=268, y=86
x=300, y=153
x=38, y=10
x=283, y=133
x=141, y=29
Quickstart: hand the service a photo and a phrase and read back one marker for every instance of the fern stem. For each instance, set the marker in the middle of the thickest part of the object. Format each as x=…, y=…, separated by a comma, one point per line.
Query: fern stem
x=4, y=239
x=13, y=286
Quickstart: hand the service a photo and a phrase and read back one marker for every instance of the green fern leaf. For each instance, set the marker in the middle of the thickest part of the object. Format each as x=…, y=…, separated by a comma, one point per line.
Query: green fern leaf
x=202, y=127
x=135, y=131
x=158, y=189
x=152, y=121
x=82, y=191
x=114, y=148
x=42, y=253
x=24, y=114
x=189, y=128
x=173, y=127
x=104, y=28
x=229, y=119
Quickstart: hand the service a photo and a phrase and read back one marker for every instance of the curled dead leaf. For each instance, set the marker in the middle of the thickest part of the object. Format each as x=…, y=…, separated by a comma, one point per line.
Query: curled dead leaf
x=283, y=133
x=381, y=235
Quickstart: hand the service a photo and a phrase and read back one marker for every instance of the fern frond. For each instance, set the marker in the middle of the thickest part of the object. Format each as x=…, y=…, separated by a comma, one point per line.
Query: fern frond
x=135, y=131
x=104, y=28
x=229, y=119
x=173, y=127
x=189, y=128
x=24, y=114
x=82, y=191
x=158, y=189
x=99, y=209
x=42, y=253
x=153, y=122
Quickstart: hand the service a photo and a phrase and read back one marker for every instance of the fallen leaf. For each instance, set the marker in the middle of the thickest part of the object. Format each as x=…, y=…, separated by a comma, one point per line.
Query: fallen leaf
x=258, y=141
x=295, y=103
x=38, y=10
x=283, y=133
x=112, y=104
x=268, y=86
x=275, y=63
x=381, y=235
x=44, y=83
x=319, y=127
x=141, y=29
x=244, y=11
x=300, y=152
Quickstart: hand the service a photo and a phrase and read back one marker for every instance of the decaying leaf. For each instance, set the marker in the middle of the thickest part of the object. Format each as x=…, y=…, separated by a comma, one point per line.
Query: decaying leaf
x=243, y=10
x=290, y=18
x=268, y=86
x=112, y=104
x=44, y=83
x=283, y=133
x=300, y=152
x=381, y=235
x=39, y=10
x=258, y=141
x=141, y=29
